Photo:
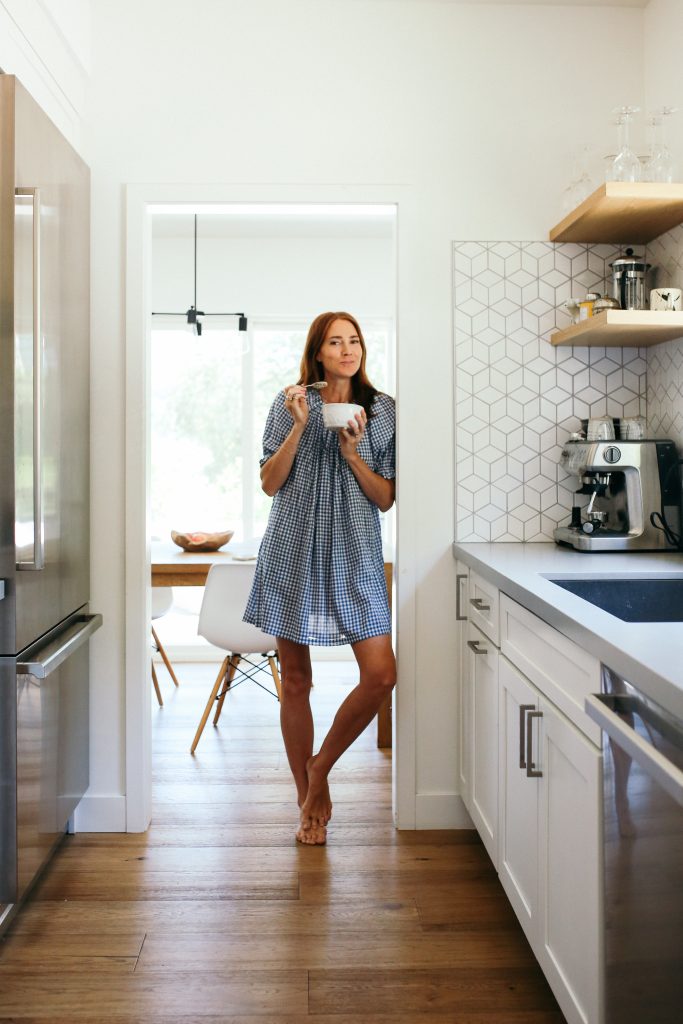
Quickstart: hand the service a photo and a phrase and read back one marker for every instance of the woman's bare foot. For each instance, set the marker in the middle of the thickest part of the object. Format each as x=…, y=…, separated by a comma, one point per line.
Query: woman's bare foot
x=311, y=835
x=317, y=807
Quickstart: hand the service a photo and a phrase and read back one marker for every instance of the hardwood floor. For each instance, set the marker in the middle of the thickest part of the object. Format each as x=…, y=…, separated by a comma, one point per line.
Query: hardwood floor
x=217, y=915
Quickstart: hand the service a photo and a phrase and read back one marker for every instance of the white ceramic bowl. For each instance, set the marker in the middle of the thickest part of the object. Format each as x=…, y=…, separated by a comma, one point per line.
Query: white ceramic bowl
x=336, y=415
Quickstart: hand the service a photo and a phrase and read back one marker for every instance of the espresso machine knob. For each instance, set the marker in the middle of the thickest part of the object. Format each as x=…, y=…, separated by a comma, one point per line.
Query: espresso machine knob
x=588, y=527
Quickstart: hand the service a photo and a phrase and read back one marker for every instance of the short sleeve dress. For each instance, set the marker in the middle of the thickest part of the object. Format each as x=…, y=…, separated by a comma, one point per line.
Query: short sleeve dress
x=319, y=576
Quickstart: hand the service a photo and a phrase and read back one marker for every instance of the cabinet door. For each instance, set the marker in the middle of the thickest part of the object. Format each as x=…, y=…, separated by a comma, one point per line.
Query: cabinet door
x=570, y=950
x=518, y=799
x=464, y=704
x=483, y=695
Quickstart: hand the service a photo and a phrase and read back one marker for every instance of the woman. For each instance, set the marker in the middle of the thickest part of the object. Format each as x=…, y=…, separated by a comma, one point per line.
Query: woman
x=320, y=572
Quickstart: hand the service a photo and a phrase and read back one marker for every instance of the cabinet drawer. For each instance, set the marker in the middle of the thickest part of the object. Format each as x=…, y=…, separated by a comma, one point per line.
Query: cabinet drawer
x=561, y=669
x=483, y=607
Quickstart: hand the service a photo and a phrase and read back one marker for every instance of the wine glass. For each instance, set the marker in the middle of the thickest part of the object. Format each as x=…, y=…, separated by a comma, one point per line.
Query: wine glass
x=660, y=165
x=581, y=184
x=626, y=165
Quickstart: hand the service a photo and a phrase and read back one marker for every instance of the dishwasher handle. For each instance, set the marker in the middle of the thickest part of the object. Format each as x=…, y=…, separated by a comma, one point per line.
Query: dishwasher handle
x=600, y=707
x=58, y=650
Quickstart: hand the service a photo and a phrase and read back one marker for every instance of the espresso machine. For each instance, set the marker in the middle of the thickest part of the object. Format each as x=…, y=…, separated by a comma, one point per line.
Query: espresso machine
x=633, y=492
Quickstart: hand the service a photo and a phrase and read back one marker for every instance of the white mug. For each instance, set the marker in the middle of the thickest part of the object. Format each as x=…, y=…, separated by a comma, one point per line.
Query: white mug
x=666, y=298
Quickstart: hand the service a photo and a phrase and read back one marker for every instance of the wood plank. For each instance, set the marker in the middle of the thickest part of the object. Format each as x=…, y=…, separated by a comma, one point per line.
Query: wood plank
x=318, y=887
x=324, y=947
x=140, y=862
x=622, y=327
x=623, y=212
x=188, y=814
x=22, y=947
x=91, y=996
x=53, y=962
x=47, y=919
x=264, y=835
x=164, y=885
x=466, y=1017
x=497, y=990
x=276, y=792
x=473, y=910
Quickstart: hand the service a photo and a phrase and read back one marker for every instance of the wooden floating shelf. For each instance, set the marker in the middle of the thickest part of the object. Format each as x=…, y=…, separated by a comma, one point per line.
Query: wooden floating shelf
x=622, y=328
x=623, y=211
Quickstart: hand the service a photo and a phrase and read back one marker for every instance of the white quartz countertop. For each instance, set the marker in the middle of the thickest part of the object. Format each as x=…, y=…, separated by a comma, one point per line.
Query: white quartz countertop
x=648, y=654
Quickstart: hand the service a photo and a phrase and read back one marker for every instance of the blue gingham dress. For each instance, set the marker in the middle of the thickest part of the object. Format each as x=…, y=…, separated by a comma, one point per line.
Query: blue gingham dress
x=319, y=576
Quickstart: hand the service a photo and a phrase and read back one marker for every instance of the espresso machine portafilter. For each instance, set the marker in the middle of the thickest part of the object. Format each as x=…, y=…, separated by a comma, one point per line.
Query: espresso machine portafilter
x=634, y=496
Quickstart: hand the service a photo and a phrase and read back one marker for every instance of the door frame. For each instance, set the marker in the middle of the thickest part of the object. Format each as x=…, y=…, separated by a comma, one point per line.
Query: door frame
x=138, y=707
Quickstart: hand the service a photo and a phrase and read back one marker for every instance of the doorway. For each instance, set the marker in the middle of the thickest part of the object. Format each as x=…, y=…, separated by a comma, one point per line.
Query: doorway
x=343, y=228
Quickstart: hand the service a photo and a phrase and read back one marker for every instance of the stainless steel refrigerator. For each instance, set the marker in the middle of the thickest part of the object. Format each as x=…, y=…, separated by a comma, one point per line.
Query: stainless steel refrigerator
x=45, y=622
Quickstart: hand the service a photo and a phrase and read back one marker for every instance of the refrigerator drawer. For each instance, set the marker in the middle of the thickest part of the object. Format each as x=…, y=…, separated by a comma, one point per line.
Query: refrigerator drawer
x=51, y=749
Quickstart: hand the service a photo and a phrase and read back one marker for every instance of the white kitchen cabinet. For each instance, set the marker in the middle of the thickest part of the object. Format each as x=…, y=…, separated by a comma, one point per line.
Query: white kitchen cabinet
x=549, y=816
x=464, y=733
x=481, y=703
x=518, y=843
x=571, y=919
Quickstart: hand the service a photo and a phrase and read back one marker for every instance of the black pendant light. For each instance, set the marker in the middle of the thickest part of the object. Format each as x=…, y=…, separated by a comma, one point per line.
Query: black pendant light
x=193, y=313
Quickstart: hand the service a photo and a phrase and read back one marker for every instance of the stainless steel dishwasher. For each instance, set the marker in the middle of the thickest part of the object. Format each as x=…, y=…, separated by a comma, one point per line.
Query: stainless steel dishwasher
x=643, y=854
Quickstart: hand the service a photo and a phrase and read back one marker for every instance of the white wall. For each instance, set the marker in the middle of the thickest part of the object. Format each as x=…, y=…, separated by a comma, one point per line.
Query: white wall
x=663, y=81
x=475, y=110
x=46, y=44
x=276, y=276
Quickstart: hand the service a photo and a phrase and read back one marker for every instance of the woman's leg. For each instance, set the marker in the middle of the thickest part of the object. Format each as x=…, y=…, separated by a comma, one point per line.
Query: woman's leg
x=377, y=678
x=296, y=719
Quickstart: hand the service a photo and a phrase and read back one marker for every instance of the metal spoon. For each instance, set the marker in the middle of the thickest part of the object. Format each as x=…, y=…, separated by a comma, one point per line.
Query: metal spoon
x=317, y=384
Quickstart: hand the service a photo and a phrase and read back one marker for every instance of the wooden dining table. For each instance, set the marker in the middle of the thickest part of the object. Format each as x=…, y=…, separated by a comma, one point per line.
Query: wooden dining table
x=173, y=567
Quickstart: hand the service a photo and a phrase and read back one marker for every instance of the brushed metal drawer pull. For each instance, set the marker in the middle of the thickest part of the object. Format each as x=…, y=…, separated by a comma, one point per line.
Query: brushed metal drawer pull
x=458, y=609
x=523, y=708
x=530, y=768
x=474, y=646
x=479, y=604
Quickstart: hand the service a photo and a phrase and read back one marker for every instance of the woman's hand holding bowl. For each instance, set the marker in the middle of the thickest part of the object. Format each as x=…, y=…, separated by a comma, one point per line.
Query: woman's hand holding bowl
x=296, y=404
x=351, y=436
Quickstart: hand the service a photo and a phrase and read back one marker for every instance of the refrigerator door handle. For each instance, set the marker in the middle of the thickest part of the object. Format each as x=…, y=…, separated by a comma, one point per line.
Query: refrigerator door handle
x=54, y=653
x=38, y=560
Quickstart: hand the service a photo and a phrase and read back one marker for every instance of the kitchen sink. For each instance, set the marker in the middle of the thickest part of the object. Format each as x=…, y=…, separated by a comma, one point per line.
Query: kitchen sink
x=633, y=600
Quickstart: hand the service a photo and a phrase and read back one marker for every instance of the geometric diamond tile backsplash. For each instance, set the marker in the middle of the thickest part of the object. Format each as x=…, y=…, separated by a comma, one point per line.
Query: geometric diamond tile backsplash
x=665, y=362
x=517, y=398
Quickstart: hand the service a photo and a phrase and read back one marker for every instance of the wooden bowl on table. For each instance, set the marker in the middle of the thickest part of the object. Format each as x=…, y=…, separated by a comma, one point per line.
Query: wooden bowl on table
x=201, y=541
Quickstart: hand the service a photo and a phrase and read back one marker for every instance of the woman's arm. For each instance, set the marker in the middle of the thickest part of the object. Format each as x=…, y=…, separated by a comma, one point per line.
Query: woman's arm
x=275, y=471
x=376, y=488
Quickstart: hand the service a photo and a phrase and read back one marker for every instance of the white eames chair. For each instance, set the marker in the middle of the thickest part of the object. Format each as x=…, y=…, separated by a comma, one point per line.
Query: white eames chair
x=162, y=602
x=220, y=622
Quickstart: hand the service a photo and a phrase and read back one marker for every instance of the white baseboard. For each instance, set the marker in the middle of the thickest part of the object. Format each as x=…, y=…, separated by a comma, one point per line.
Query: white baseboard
x=204, y=653
x=100, y=814
x=441, y=810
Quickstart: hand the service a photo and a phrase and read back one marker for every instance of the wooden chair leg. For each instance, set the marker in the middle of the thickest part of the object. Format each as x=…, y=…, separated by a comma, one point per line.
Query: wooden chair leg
x=276, y=675
x=209, y=702
x=229, y=676
x=156, y=686
x=164, y=656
